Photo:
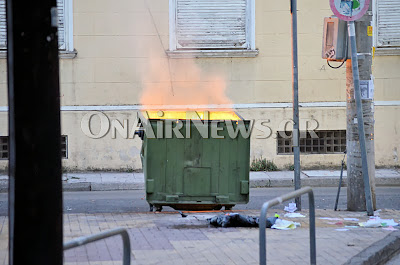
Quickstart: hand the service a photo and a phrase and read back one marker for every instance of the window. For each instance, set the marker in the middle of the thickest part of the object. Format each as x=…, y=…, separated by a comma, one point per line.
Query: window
x=328, y=142
x=64, y=146
x=3, y=147
x=218, y=28
x=64, y=8
x=4, y=153
x=3, y=30
x=387, y=27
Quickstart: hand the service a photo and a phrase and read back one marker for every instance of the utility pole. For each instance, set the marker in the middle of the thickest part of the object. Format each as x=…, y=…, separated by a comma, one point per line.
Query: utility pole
x=356, y=200
x=35, y=189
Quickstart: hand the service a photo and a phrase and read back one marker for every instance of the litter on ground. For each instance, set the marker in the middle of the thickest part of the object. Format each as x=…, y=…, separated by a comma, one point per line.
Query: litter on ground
x=389, y=228
x=377, y=212
x=294, y=215
x=284, y=224
x=238, y=220
x=342, y=229
x=291, y=208
x=378, y=222
x=351, y=219
x=330, y=218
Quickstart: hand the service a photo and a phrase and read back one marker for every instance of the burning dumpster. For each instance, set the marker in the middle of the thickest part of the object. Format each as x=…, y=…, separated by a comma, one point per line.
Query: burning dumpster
x=195, y=160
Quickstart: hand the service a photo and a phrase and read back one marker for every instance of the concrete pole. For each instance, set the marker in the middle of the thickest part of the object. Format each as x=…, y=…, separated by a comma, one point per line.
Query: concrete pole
x=355, y=184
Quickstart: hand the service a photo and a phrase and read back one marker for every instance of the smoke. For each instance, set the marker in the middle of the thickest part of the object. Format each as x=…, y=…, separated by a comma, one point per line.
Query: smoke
x=183, y=82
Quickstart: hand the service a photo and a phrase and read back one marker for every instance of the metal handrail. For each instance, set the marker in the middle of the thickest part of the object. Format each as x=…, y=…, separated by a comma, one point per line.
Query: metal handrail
x=279, y=200
x=109, y=233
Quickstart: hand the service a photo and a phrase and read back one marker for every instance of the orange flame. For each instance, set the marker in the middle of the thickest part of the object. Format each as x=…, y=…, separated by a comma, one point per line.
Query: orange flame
x=193, y=115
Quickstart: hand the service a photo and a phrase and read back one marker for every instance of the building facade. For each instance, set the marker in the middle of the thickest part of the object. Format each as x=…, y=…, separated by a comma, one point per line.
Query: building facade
x=117, y=56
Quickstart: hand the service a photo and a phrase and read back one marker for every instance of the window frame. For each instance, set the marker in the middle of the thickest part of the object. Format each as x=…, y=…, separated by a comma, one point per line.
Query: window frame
x=67, y=50
x=173, y=51
x=8, y=147
x=395, y=50
x=69, y=26
x=307, y=144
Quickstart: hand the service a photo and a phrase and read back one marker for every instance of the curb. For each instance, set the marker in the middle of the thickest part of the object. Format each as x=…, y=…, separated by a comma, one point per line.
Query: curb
x=379, y=252
x=317, y=182
x=258, y=183
x=81, y=186
x=254, y=183
x=116, y=186
x=108, y=186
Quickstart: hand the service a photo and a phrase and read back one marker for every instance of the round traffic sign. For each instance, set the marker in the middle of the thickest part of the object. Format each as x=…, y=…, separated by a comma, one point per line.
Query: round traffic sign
x=349, y=10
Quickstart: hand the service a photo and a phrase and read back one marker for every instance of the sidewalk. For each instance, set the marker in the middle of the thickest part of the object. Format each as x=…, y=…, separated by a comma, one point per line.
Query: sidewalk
x=104, y=181
x=167, y=238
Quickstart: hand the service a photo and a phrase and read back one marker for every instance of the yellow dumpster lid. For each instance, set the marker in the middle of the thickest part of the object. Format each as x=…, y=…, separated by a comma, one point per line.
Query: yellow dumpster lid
x=190, y=114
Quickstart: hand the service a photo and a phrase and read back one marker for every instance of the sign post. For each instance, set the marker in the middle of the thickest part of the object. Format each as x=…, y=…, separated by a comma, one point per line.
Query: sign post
x=350, y=10
x=295, y=86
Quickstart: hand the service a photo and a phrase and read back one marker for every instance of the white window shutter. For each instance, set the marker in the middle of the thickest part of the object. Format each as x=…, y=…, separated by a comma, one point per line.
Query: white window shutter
x=388, y=23
x=61, y=24
x=211, y=24
x=3, y=29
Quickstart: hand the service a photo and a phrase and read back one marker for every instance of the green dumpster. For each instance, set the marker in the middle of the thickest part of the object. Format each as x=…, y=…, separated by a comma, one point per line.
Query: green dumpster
x=193, y=160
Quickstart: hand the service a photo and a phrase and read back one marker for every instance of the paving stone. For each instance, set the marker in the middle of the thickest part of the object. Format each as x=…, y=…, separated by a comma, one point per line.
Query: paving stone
x=166, y=238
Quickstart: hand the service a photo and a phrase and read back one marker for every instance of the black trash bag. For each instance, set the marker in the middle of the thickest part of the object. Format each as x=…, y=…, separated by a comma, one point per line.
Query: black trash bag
x=238, y=220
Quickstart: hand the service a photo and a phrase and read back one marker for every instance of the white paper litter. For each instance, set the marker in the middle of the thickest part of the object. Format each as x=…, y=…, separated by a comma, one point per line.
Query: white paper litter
x=291, y=208
x=390, y=228
x=371, y=223
x=294, y=215
x=377, y=212
x=330, y=218
x=284, y=224
x=389, y=222
x=378, y=222
x=351, y=219
x=342, y=229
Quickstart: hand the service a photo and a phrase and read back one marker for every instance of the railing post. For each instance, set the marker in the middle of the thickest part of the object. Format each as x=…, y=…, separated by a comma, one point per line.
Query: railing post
x=279, y=200
x=127, y=247
x=262, y=225
x=80, y=241
x=313, y=247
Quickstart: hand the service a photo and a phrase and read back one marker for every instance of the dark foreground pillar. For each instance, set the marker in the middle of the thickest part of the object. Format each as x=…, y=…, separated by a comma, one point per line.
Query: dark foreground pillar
x=35, y=194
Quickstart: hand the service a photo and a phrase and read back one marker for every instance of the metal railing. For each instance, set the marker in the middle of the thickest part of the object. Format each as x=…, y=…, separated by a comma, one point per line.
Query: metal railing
x=279, y=200
x=109, y=233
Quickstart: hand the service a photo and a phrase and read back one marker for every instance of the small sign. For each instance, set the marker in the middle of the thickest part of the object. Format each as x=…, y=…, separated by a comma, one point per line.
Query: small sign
x=349, y=10
x=367, y=89
x=369, y=31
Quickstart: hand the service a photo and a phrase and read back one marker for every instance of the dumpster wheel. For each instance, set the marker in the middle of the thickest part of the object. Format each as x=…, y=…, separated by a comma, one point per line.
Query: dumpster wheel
x=228, y=207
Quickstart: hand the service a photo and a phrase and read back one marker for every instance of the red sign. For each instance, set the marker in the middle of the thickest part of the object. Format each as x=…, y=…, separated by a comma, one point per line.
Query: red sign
x=349, y=10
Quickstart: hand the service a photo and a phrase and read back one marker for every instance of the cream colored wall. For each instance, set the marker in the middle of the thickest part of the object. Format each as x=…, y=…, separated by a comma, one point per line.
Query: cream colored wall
x=120, y=154
x=115, y=41
x=387, y=136
x=386, y=71
x=105, y=153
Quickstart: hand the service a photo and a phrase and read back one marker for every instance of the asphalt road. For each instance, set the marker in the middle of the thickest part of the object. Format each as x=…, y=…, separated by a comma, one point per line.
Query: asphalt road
x=134, y=200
